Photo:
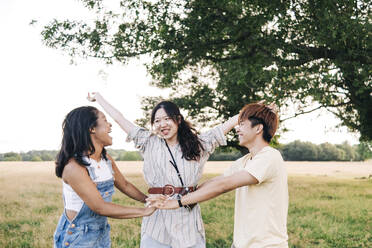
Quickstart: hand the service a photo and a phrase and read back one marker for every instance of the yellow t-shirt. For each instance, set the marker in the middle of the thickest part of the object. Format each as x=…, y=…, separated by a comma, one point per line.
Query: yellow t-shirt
x=261, y=210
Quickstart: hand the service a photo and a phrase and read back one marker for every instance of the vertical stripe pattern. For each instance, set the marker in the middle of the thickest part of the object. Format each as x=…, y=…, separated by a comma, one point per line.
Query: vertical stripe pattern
x=178, y=227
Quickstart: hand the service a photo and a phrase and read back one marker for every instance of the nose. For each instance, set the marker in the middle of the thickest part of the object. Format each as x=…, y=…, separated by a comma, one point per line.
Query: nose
x=163, y=123
x=237, y=128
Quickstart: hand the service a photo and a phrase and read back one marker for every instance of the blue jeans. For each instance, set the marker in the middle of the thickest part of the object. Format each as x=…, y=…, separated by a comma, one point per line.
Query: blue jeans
x=148, y=242
x=87, y=229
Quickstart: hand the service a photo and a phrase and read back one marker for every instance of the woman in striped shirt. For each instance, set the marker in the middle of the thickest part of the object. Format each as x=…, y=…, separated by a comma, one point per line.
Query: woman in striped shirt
x=174, y=156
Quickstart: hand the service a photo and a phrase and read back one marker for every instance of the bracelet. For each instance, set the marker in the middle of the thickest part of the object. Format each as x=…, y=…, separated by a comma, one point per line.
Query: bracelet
x=179, y=201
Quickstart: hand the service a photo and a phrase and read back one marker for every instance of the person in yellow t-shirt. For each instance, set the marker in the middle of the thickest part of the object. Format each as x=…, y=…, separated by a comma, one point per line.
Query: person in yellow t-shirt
x=260, y=180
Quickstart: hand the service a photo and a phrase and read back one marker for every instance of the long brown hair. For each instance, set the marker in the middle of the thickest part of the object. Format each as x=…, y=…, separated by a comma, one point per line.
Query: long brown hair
x=191, y=146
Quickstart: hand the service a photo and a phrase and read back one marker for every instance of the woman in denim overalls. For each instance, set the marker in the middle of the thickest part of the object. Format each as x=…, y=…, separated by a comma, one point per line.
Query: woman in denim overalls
x=85, y=134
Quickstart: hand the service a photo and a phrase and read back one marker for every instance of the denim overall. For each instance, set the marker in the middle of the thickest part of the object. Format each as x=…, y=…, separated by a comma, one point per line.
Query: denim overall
x=87, y=229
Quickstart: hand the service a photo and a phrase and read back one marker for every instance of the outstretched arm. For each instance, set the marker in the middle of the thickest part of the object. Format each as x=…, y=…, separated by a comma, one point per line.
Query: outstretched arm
x=115, y=114
x=125, y=186
x=230, y=124
x=209, y=190
x=209, y=181
x=77, y=177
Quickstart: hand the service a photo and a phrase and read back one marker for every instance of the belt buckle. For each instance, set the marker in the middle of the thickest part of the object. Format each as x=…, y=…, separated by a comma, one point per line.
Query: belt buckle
x=184, y=191
x=168, y=188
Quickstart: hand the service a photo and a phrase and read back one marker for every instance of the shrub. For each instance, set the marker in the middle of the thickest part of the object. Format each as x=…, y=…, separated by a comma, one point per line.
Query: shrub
x=12, y=156
x=300, y=151
x=130, y=156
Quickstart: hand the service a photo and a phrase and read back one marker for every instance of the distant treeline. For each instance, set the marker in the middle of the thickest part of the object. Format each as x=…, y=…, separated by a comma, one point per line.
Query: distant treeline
x=307, y=151
x=50, y=155
x=294, y=151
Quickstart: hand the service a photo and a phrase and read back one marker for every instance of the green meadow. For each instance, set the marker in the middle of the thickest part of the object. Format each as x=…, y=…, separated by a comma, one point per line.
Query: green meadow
x=323, y=211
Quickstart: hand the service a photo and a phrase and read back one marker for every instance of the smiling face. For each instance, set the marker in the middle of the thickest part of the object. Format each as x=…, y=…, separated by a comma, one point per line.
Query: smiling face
x=100, y=133
x=165, y=126
x=247, y=133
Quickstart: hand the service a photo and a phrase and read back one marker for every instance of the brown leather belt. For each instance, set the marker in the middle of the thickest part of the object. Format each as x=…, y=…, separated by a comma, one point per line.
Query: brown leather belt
x=171, y=190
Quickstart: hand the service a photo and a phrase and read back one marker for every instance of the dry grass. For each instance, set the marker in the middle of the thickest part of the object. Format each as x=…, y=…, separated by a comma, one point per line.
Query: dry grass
x=330, y=205
x=332, y=169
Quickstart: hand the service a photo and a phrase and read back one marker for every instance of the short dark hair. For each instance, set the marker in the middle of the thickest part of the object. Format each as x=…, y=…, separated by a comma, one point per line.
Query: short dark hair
x=259, y=113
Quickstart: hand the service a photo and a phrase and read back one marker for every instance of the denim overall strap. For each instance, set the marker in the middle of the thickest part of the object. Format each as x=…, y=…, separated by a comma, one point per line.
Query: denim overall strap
x=109, y=164
x=91, y=172
x=88, y=228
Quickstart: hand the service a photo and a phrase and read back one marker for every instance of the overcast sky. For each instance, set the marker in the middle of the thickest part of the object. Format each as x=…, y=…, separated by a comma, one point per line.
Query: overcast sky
x=39, y=86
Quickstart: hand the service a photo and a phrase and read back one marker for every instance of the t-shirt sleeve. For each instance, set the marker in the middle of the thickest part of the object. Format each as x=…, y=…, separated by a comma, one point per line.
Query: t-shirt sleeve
x=232, y=169
x=212, y=139
x=140, y=137
x=262, y=166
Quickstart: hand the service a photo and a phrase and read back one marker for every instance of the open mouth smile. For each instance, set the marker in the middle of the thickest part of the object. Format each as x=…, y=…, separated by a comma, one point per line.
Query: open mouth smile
x=165, y=131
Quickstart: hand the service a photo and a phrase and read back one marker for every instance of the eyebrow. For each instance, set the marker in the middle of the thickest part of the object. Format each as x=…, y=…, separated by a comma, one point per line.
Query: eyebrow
x=165, y=116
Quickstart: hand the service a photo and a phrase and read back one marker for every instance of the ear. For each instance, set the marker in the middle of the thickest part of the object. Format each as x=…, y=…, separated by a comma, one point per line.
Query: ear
x=259, y=128
x=92, y=130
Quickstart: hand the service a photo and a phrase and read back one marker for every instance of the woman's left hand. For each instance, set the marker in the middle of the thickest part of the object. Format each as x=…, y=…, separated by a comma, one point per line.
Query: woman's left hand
x=162, y=202
x=168, y=204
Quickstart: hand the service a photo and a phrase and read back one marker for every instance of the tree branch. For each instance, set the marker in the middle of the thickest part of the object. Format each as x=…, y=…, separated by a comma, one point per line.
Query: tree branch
x=302, y=112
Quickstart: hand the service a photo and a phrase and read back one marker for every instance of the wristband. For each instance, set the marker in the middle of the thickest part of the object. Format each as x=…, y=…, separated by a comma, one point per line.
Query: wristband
x=179, y=201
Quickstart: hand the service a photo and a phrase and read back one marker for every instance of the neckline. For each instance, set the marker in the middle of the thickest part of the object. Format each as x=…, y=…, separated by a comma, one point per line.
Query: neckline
x=95, y=161
x=262, y=149
x=172, y=147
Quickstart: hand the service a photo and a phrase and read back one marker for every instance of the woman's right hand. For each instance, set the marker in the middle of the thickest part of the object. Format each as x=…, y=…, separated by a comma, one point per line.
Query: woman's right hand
x=92, y=96
x=115, y=114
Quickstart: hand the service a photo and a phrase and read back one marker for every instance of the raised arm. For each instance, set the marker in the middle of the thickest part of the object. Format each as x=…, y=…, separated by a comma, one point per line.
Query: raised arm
x=77, y=177
x=115, y=114
x=230, y=124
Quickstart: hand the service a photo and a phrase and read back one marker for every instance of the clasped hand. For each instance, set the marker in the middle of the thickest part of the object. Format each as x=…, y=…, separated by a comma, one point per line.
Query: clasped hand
x=162, y=202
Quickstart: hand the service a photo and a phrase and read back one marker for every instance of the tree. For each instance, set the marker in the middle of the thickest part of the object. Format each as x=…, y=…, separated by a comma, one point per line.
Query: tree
x=329, y=152
x=300, y=151
x=350, y=153
x=364, y=150
x=12, y=156
x=217, y=55
x=130, y=156
x=36, y=158
x=47, y=157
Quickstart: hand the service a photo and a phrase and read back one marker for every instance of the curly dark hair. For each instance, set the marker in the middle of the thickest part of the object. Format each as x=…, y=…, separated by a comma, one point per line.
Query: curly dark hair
x=76, y=140
x=191, y=146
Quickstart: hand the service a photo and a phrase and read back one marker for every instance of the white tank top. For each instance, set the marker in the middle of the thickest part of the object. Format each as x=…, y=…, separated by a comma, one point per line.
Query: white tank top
x=102, y=173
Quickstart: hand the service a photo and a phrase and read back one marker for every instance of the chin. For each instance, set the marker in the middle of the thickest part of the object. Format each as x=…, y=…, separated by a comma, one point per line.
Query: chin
x=109, y=143
x=242, y=143
x=167, y=136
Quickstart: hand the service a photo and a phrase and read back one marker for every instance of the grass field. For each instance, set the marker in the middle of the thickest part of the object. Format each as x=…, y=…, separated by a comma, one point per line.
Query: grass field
x=326, y=210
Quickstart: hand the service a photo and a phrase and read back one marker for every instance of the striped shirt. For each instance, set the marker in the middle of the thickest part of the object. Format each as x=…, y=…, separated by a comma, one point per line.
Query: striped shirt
x=179, y=227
